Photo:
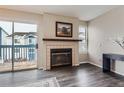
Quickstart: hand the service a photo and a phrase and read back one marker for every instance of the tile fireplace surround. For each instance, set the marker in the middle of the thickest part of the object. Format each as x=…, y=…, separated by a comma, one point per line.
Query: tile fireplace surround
x=48, y=45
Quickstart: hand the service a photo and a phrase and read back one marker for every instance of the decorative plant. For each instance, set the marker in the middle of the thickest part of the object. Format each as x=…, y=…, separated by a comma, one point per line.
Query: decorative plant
x=120, y=42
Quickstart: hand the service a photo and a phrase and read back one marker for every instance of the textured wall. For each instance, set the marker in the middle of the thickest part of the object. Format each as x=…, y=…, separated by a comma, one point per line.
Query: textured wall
x=102, y=31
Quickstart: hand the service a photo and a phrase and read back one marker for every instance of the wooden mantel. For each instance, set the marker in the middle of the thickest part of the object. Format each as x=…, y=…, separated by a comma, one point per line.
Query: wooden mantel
x=57, y=39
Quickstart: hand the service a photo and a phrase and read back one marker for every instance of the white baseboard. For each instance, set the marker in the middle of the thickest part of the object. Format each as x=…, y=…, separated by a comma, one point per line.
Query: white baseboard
x=118, y=73
x=90, y=63
x=95, y=64
x=40, y=68
x=83, y=62
x=101, y=67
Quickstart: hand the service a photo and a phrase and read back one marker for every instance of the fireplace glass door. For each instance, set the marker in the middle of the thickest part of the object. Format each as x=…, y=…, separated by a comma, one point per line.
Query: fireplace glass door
x=60, y=57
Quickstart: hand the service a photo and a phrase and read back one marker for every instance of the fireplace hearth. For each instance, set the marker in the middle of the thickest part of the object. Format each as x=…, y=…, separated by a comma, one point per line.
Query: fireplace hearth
x=61, y=57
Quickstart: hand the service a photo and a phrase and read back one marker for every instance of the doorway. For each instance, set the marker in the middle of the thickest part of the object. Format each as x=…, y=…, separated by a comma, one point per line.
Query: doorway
x=17, y=46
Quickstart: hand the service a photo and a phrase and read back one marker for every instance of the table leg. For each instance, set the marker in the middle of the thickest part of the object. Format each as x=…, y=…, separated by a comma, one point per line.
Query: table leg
x=106, y=64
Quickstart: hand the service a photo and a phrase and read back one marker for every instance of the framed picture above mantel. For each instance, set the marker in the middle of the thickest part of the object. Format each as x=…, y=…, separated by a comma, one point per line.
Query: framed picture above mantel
x=64, y=29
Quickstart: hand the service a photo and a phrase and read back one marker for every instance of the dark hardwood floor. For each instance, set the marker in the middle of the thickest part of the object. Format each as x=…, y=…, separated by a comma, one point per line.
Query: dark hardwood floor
x=86, y=75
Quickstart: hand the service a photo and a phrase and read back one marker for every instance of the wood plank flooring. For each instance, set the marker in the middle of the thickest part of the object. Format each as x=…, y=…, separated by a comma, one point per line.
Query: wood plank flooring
x=86, y=75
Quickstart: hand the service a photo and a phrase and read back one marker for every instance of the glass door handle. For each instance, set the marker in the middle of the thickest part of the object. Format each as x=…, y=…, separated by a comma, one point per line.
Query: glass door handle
x=36, y=46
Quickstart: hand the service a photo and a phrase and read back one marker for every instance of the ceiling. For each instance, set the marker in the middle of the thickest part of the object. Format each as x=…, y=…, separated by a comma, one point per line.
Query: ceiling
x=83, y=12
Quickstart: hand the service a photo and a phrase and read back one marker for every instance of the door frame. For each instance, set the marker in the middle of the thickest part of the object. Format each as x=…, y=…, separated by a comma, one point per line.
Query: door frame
x=12, y=51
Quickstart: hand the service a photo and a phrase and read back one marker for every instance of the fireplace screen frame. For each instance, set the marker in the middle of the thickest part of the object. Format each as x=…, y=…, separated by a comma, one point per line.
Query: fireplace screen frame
x=58, y=50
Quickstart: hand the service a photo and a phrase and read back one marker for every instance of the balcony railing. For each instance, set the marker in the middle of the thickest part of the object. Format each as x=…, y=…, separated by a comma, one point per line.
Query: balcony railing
x=21, y=53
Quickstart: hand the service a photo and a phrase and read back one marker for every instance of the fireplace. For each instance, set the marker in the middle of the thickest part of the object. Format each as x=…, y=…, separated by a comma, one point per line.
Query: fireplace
x=61, y=57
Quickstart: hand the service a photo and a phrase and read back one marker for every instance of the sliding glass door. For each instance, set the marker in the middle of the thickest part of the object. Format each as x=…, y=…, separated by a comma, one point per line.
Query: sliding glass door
x=25, y=40
x=5, y=46
x=17, y=46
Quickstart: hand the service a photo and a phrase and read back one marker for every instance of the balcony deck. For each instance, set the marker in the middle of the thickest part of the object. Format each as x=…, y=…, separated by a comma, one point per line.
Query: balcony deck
x=24, y=57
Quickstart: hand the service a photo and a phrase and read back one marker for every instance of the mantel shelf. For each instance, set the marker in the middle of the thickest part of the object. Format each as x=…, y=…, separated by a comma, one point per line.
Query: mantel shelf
x=67, y=40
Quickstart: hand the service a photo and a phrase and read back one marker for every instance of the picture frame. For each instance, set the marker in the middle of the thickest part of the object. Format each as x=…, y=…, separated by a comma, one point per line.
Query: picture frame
x=64, y=29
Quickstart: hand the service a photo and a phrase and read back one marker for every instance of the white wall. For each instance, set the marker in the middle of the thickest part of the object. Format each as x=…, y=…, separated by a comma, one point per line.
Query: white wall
x=49, y=21
x=102, y=31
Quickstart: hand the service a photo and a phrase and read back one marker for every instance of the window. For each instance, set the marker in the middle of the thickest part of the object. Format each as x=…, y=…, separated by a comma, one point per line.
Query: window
x=83, y=37
x=30, y=41
x=16, y=41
